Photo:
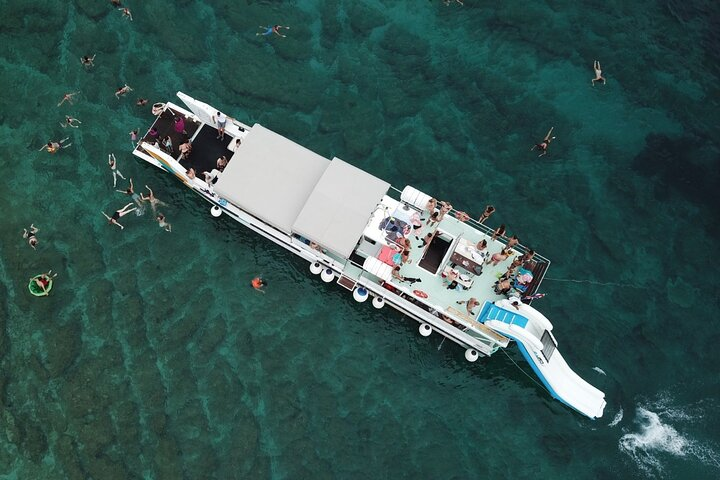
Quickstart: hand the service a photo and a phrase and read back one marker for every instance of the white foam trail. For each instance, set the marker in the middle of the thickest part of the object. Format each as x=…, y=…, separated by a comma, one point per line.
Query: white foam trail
x=618, y=417
x=655, y=438
x=599, y=370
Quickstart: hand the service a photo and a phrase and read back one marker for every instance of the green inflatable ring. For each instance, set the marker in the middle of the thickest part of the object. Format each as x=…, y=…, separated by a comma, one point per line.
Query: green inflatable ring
x=35, y=288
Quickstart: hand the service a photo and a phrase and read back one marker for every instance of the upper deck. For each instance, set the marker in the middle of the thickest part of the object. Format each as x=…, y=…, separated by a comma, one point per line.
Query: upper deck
x=427, y=269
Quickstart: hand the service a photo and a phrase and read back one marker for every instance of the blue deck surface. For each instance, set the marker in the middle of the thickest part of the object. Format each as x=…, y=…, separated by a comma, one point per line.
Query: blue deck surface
x=491, y=311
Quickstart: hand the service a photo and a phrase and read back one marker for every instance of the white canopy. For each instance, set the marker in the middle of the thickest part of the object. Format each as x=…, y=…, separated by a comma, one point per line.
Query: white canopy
x=339, y=207
x=271, y=177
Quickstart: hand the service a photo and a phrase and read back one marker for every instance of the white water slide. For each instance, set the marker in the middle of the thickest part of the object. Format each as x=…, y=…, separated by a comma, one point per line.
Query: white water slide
x=532, y=332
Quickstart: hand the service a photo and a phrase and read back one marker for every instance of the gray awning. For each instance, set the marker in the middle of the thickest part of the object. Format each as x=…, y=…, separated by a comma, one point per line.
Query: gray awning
x=271, y=177
x=337, y=211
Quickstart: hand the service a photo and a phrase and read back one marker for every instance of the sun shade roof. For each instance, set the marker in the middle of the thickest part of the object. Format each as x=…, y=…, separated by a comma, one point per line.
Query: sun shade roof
x=339, y=207
x=271, y=177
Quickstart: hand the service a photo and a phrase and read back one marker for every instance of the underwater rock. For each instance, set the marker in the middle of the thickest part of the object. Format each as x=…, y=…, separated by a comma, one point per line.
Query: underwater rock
x=63, y=345
x=32, y=443
x=212, y=335
x=67, y=458
x=168, y=459
x=364, y=18
x=94, y=433
x=127, y=429
x=94, y=9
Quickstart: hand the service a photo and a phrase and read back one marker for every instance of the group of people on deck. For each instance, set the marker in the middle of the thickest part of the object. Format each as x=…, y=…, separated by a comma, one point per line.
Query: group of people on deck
x=436, y=212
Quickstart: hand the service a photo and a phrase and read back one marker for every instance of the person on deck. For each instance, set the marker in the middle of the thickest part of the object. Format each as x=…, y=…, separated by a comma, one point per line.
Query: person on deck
x=179, y=125
x=220, y=120
x=469, y=304
x=499, y=232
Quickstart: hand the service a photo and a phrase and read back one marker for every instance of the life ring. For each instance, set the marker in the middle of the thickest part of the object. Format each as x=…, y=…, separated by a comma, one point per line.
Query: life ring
x=420, y=293
x=35, y=288
x=158, y=108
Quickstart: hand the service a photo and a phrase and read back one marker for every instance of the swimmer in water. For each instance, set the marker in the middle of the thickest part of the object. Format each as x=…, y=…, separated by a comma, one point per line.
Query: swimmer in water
x=113, y=168
x=598, y=73
x=126, y=13
x=54, y=147
x=134, y=137
x=543, y=146
x=29, y=233
x=269, y=30
x=68, y=97
x=122, y=91
x=141, y=102
x=258, y=283
x=162, y=223
x=70, y=122
x=154, y=202
x=119, y=214
x=87, y=62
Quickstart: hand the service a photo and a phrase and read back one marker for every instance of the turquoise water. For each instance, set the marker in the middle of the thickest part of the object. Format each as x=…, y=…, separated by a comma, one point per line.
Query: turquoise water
x=152, y=358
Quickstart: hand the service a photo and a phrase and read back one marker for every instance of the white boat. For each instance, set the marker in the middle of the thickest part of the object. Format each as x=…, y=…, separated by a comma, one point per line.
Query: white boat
x=352, y=227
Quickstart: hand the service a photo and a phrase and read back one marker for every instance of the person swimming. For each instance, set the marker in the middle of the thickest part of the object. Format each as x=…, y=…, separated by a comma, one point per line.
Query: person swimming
x=258, y=283
x=270, y=29
x=598, y=73
x=29, y=233
x=543, y=146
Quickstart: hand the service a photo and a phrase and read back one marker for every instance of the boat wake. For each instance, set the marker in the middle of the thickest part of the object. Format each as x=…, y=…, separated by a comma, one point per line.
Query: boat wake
x=618, y=417
x=656, y=439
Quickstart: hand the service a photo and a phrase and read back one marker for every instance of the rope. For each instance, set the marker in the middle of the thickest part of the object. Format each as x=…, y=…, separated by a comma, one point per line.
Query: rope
x=593, y=282
x=523, y=371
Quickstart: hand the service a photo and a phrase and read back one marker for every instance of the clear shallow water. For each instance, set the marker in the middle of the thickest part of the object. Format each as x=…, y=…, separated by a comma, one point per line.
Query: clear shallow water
x=152, y=358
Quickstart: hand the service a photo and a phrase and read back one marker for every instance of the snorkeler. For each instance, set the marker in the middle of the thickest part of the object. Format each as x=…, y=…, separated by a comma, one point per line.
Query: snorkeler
x=54, y=147
x=29, y=233
x=70, y=122
x=272, y=29
x=598, y=73
x=87, y=62
x=68, y=97
x=543, y=146
x=118, y=214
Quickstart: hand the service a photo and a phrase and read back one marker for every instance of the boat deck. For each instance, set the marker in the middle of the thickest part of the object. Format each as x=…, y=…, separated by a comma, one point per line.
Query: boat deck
x=429, y=263
x=165, y=125
x=206, y=147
